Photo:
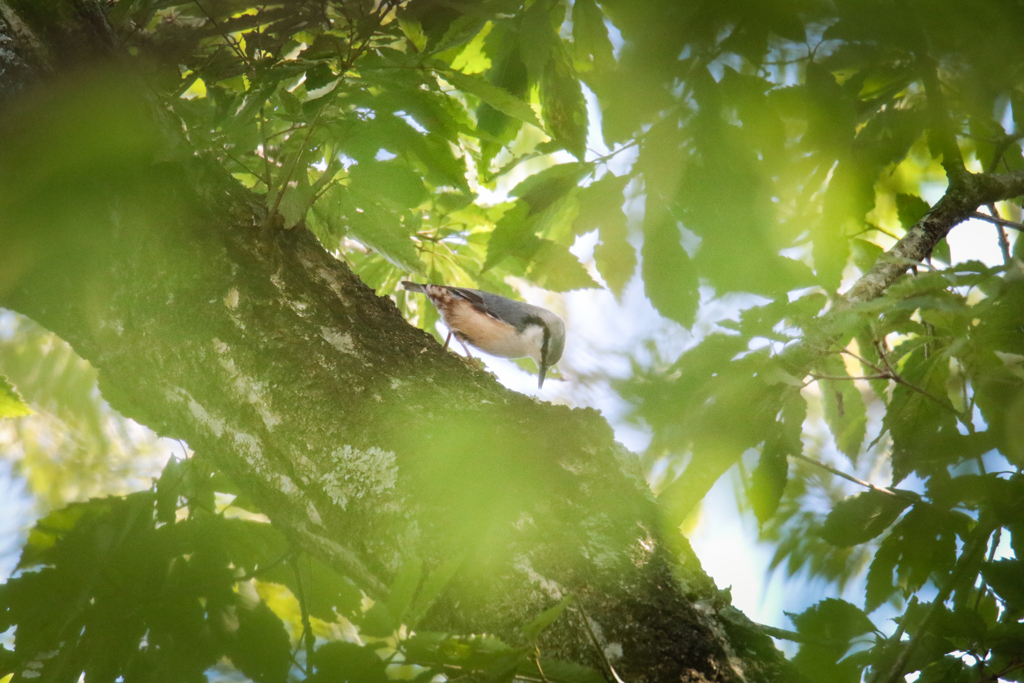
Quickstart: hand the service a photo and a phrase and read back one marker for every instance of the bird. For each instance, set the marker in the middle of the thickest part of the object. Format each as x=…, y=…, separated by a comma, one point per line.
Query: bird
x=497, y=325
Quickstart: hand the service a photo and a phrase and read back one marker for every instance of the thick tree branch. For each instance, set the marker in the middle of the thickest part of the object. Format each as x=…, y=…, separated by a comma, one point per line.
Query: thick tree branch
x=956, y=206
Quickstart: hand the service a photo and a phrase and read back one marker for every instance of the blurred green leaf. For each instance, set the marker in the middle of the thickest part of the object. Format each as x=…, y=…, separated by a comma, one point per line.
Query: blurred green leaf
x=768, y=481
x=11, y=405
x=845, y=412
x=670, y=280
x=549, y=616
x=386, y=233
x=862, y=517
x=1006, y=577
x=391, y=183
x=495, y=96
x=555, y=268
x=343, y=661
x=563, y=106
x=829, y=626
x=910, y=209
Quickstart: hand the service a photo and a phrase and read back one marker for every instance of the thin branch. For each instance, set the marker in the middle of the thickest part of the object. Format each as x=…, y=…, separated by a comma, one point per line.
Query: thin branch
x=233, y=44
x=983, y=588
x=1016, y=666
x=283, y=184
x=896, y=637
x=888, y=372
x=308, y=639
x=883, y=375
x=997, y=155
x=895, y=493
x=1004, y=244
x=622, y=148
x=896, y=377
x=578, y=608
x=998, y=221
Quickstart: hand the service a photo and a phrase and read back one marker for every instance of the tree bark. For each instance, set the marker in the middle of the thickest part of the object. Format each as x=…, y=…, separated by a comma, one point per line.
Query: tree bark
x=358, y=436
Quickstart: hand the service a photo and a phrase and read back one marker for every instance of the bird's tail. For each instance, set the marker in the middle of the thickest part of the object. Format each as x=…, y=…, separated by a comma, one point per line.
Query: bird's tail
x=413, y=287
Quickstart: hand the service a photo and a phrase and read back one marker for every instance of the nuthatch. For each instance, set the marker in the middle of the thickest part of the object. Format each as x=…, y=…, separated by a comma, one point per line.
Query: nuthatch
x=498, y=326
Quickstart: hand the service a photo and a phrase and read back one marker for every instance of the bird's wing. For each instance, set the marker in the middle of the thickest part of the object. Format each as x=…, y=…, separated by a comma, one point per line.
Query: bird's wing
x=470, y=295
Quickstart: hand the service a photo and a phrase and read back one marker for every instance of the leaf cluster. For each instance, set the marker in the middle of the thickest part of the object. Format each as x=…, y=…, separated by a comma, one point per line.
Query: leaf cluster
x=176, y=582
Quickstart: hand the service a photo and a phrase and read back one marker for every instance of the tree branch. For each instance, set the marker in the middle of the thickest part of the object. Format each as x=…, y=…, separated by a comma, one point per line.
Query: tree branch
x=996, y=220
x=956, y=206
x=895, y=493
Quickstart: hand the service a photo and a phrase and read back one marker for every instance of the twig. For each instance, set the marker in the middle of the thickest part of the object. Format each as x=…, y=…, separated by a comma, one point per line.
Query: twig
x=895, y=493
x=896, y=637
x=233, y=44
x=1016, y=666
x=883, y=375
x=597, y=644
x=602, y=158
x=283, y=184
x=997, y=154
x=307, y=638
x=891, y=373
x=983, y=588
x=998, y=221
x=1004, y=244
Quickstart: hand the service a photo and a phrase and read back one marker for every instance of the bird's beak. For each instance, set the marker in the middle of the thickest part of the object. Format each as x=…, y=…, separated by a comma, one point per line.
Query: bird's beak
x=541, y=372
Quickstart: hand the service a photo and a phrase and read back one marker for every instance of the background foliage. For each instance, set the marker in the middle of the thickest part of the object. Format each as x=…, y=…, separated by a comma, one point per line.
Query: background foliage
x=750, y=156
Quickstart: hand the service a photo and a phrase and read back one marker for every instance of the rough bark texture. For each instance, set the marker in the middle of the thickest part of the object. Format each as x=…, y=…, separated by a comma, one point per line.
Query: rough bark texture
x=356, y=433
x=956, y=206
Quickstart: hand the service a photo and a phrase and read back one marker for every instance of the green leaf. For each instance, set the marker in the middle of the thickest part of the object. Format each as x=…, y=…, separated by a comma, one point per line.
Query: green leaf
x=168, y=489
x=614, y=256
x=339, y=661
x=495, y=96
x=385, y=232
x=593, y=48
x=404, y=587
x=768, y=481
x=830, y=625
x=564, y=108
x=11, y=404
x=260, y=648
x=865, y=254
x=1006, y=577
x=910, y=209
x=670, y=280
x=512, y=236
x=862, y=517
x=328, y=593
x=941, y=252
x=543, y=189
x=413, y=31
x=555, y=268
x=833, y=619
x=538, y=39
x=295, y=202
x=391, y=183
x=845, y=412
x=433, y=585
x=558, y=671
x=549, y=616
